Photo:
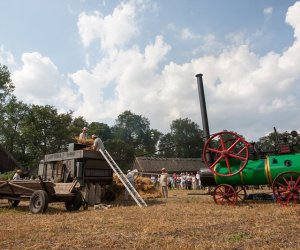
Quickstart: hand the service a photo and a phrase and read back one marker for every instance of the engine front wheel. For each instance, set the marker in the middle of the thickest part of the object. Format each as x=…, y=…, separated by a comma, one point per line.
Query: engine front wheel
x=225, y=194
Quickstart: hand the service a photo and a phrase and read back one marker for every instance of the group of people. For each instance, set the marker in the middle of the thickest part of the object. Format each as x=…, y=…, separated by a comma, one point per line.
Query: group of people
x=98, y=144
x=184, y=180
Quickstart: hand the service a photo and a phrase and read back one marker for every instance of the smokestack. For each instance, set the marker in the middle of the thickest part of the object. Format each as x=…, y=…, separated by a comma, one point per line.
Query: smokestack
x=203, y=106
x=203, y=112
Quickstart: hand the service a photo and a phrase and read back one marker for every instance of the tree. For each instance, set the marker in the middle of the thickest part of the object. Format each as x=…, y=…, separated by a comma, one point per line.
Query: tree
x=270, y=142
x=45, y=131
x=187, y=140
x=6, y=85
x=77, y=124
x=122, y=152
x=135, y=130
x=100, y=129
x=11, y=137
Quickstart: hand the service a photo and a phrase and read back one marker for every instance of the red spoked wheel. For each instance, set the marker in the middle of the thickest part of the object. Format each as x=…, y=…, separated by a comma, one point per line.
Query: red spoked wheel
x=225, y=194
x=241, y=193
x=229, y=150
x=286, y=188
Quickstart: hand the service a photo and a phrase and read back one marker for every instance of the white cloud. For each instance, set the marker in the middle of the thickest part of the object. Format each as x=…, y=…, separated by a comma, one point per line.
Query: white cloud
x=268, y=11
x=293, y=18
x=6, y=57
x=112, y=31
x=186, y=34
x=39, y=82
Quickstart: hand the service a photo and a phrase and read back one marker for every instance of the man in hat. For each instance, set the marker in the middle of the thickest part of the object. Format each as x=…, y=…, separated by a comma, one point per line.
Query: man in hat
x=18, y=175
x=98, y=144
x=83, y=134
x=164, y=181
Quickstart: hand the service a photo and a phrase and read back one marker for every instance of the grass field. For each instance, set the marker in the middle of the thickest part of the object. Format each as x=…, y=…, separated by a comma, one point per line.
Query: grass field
x=183, y=221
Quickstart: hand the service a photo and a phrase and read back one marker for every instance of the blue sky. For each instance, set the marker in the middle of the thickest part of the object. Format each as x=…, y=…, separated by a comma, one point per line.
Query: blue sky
x=99, y=58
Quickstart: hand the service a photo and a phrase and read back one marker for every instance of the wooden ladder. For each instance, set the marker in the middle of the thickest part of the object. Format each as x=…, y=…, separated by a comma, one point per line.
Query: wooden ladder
x=129, y=187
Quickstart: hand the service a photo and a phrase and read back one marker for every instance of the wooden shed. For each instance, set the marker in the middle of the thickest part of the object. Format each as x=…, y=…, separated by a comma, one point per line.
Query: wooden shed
x=7, y=161
x=172, y=165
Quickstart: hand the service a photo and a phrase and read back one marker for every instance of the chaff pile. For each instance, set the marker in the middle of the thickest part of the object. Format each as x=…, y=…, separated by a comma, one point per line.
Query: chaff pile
x=88, y=142
x=143, y=186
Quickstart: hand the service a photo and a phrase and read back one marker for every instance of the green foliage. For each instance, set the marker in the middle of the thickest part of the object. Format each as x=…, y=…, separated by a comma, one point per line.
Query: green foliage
x=135, y=131
x=270, y=142
x=184, y=141
x=6, y=85
x=7, y=175
x=122, y=152
x=100, y=129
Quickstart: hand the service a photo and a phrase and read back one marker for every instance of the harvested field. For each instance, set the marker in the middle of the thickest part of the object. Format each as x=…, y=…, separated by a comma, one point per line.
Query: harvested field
x=181, y=222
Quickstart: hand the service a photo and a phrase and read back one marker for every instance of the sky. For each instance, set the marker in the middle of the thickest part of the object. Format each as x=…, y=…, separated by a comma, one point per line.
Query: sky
x=100, y=58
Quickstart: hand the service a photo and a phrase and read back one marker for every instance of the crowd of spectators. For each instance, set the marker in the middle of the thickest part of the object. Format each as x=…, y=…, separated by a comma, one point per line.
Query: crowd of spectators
x=184, y=180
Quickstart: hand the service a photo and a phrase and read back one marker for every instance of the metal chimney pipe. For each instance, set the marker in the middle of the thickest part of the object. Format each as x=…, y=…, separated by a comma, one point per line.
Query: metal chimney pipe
x=203, y=112
x=203, y=106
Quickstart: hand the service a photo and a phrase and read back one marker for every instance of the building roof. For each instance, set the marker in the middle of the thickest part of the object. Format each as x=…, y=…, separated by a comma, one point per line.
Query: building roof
x=154, y=164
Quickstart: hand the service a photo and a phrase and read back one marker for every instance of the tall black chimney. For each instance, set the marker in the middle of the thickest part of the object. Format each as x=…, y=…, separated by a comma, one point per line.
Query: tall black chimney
x=203, y=107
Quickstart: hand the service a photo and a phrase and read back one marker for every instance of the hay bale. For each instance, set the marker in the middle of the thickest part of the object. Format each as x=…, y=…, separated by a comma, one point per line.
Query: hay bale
x=87, y=142
x=143, y=186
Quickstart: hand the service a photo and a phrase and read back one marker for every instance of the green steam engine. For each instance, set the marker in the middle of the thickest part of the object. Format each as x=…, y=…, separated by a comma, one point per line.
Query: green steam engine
x=233, y=163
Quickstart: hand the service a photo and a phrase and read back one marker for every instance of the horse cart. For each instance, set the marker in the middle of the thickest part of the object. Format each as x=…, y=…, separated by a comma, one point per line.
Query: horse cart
x=40, y=193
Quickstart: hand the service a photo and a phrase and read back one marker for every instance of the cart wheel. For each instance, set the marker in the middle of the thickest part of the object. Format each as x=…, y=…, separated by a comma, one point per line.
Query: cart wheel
x=286, y=188
x=76, y=203
x=38, y=202
x=13, y=203
x=109, y=195
x=225, y=194
x=85, y=205
x=241, y=193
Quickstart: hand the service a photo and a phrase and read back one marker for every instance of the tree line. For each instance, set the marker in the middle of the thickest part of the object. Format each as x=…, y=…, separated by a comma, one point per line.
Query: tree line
x=30, y=131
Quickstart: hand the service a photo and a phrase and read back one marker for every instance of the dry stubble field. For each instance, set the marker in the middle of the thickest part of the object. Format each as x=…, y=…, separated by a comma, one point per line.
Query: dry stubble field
x=181, y=222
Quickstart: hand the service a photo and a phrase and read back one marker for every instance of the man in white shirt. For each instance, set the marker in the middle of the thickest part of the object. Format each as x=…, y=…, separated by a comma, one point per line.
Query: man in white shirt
x=164, y=181
x=98, y=144
x=18, y=175
x=83, y=134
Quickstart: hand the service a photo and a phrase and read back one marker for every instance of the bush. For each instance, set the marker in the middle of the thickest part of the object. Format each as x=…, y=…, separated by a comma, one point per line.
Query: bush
x=7, y=175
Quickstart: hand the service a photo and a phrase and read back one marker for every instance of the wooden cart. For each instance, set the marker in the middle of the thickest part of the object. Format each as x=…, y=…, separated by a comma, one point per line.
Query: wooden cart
x=40, y=194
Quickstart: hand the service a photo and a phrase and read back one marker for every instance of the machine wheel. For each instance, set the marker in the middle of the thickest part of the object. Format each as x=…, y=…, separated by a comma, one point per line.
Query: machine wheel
x=38, y=202
x=76, y=203
x=225, y=194
x=109, y=195
x=241, y=193
x=286, y=188
x=13, y=203
x=227, y=149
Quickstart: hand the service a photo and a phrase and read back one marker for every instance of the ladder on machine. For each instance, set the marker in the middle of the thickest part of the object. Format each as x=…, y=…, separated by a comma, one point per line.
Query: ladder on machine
x=129, y=187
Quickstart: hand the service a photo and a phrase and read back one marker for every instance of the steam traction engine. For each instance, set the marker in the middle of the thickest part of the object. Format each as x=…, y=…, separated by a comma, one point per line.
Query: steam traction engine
x=235, y=163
